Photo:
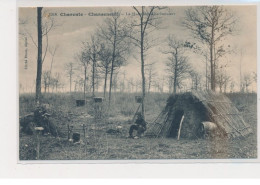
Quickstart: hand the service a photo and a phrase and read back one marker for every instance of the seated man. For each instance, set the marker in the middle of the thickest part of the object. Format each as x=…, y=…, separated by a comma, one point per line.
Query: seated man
x=139, y=126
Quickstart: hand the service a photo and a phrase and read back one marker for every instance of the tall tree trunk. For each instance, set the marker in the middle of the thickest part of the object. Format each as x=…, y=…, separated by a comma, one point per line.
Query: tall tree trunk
x=175, y=83
x=70, y=83
x=113, y=61
x=149, y=83
x=111, y=81
x=212, y=63
x=211, y=69
x=105, y=83
x=175, y=73
x=142, y=63
x=93, y=78
x=39, y=59
x=206, y=73
x=85, y=78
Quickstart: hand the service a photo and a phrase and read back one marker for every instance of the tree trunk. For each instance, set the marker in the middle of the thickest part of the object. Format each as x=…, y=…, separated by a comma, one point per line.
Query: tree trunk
x=175, y=73
x=142, y=64
x=39, y=59
x=85, y=78
x=212, y=63
x=93, y=78
x=212, y=82
x=111, y=81
x=70, y=83
x=206, y=73
x=113, y=60
x=105, y=83
x=150, y=79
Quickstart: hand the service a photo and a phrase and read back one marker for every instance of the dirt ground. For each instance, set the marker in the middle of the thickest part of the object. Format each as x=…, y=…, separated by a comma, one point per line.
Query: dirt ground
x=108, y=138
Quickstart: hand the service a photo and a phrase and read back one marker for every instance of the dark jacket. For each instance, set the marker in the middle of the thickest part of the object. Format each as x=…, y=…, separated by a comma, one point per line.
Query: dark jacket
x=141, y=122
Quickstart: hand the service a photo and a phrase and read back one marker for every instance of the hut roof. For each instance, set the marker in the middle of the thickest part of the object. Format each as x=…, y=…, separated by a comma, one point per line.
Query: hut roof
x=219, y=108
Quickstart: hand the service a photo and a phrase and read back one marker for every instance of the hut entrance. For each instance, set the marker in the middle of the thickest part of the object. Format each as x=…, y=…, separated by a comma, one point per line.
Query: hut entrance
x=176, y=123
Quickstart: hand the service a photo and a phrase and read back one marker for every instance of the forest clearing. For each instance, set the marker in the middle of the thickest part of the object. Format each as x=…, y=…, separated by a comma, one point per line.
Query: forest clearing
x=137, y=82
x=108, y=139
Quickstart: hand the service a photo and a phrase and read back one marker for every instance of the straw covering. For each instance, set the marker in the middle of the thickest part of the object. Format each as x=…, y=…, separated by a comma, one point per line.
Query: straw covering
x=198, y=107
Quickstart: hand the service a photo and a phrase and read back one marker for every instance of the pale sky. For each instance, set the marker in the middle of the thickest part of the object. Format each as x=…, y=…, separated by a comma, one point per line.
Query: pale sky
x=73, y=30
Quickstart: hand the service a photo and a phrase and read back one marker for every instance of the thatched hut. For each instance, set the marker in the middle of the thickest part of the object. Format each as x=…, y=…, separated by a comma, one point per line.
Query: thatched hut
x=198, y=108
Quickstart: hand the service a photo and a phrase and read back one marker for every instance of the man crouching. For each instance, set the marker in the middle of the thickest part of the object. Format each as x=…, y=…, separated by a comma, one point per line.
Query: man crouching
x=139, y=126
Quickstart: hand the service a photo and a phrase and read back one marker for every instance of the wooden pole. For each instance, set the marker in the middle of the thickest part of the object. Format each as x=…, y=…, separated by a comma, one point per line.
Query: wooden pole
x=38, y=132
x=179, y=131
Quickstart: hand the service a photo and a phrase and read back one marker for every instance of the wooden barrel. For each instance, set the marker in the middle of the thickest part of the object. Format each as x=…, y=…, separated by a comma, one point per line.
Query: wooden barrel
x=208, y=128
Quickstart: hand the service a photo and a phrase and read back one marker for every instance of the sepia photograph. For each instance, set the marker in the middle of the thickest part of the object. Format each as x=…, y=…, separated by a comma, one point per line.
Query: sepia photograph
x=137, y=83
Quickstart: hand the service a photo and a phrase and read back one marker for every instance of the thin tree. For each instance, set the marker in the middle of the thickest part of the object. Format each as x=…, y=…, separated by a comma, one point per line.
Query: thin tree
x=222, y=78
x=105, y=64
x=39, y=56
x=46, y=80
x=147, y=22
x=196, y=78
x=177, y=63
x=91, y=51
x=150, y=76
x=56, y=81
x=84, y=60
x=247, y=81
x=210, y=25
x=52, y=53
x=43, y=28
x=115, y=31
x=70, y=71
x=255, y=77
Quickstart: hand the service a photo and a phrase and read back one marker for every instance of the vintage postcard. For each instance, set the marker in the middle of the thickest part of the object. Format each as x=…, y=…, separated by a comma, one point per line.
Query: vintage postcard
x=138, y=83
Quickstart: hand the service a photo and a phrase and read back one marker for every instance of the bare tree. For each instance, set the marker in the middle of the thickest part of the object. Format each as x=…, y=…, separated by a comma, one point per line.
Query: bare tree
x=177, y=63
x=39, y=58
x=147, y=22
x=91, y=51
x=105, y=58
x=115, y=32
x=169, y=82
x=83, y=58
x=242, y=52
x=56, y=81
x=232, y=86
x=210, y=25
x=131, y=84
x=204, y=53
x=46, y=80
x=222, y=79
x=115, y=82
x=255, y=77
x=122, y=82
x=43, y=28
x=247, y=81
x=150, y=76
x=196, y=79
x=70, y=71
x=52, y=53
